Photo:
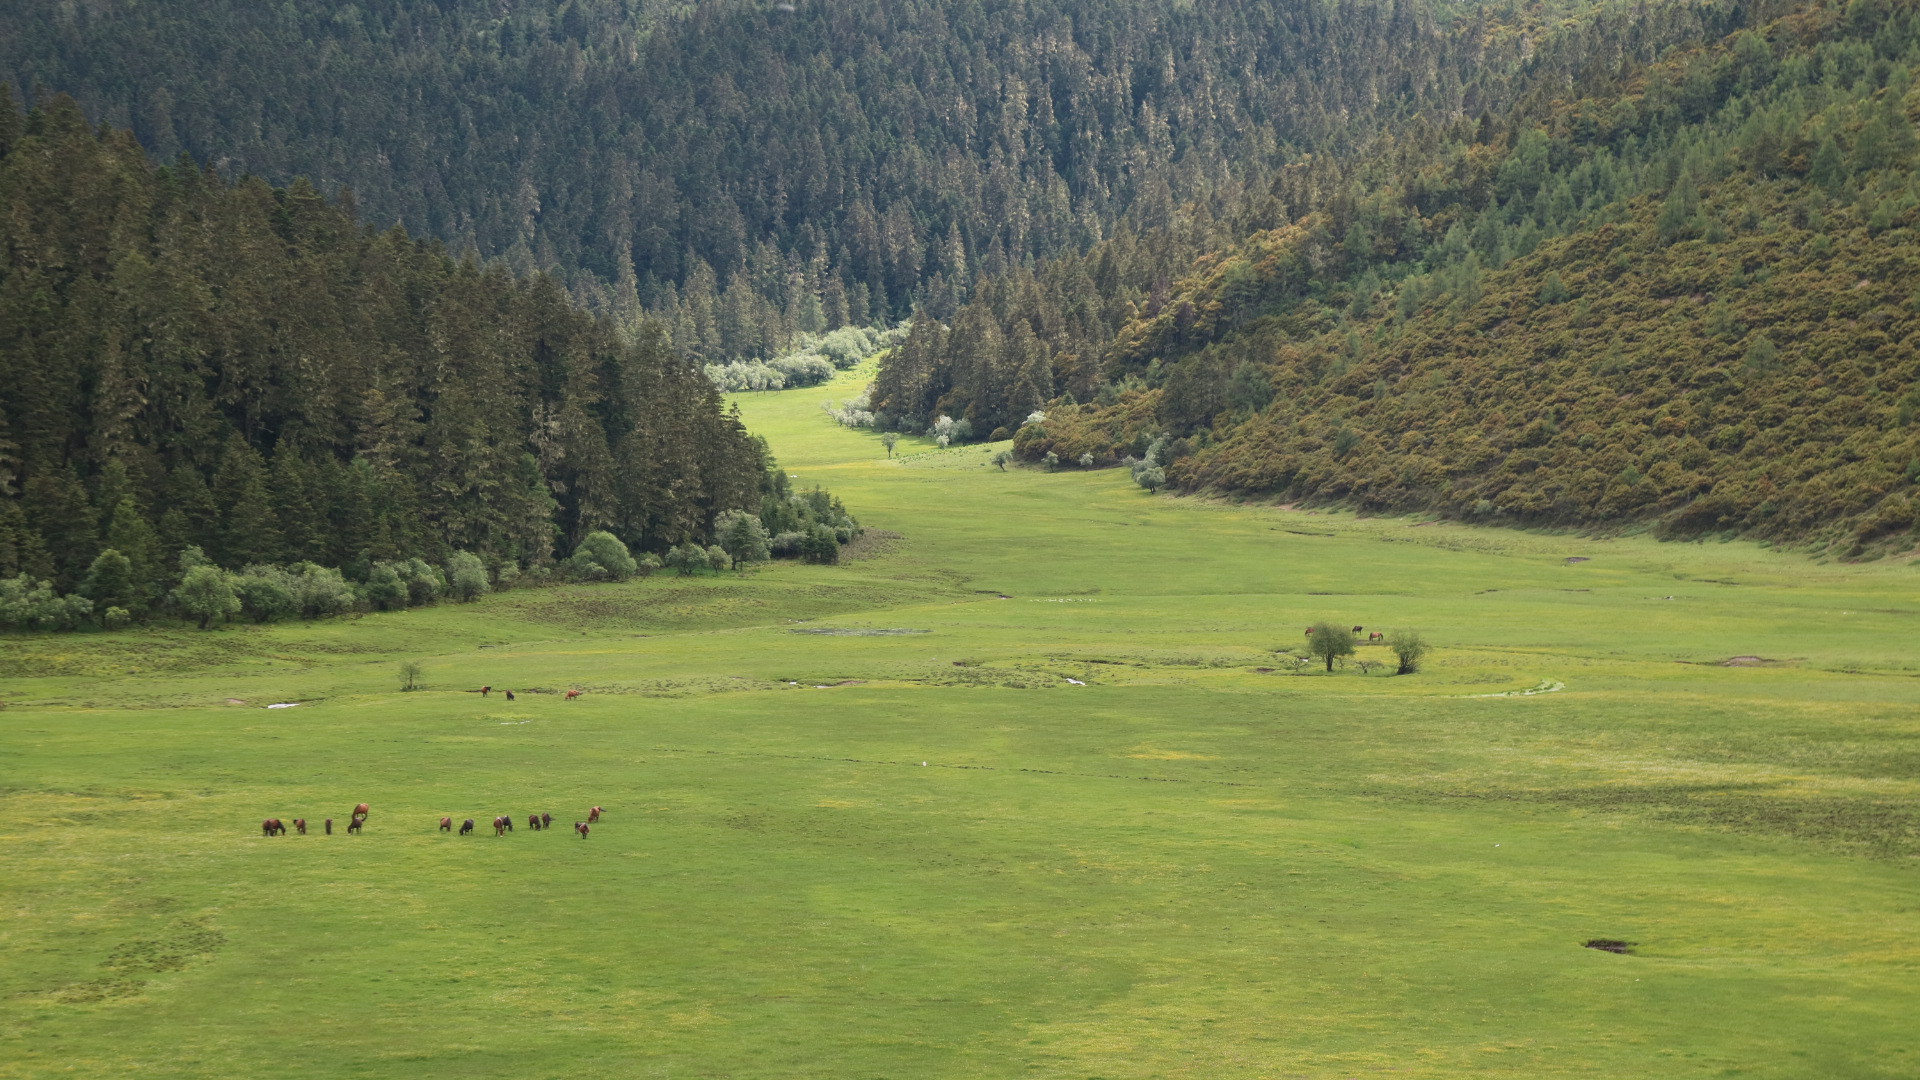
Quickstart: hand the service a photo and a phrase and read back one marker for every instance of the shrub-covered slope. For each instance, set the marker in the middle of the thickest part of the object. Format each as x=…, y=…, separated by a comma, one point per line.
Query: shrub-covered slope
x=1691, y=300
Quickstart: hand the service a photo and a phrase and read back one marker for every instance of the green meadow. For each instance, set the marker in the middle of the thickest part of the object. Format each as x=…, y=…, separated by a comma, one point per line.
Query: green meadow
x=1033, y=785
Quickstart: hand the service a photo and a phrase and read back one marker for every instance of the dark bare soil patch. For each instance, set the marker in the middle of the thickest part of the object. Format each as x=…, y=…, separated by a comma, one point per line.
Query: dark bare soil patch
x=1612, y=945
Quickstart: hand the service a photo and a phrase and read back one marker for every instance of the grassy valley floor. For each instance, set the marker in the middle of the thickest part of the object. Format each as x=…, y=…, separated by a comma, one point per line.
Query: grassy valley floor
x=1032, y=787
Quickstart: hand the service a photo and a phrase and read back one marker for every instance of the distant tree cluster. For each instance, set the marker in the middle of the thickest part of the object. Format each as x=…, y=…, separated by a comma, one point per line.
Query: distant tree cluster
x=219, y=387
x=809, y=361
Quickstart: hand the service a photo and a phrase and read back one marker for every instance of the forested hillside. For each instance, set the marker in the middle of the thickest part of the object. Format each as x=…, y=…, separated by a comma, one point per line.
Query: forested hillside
x=749, y=170
x=1690, y=292
x=1033, y=333
x=251, y=371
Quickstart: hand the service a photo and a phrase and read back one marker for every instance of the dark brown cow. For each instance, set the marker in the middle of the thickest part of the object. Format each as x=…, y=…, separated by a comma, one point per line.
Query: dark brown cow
x=502, y=825
x=329, y=826
x=546, y=821
x=272, y=827
x=446, y=824
x=485, y=690
x=581, y=828
x=466, y=827
x=509, y=695
x=1357, y=629
x=354, y=825
x=300, y=825
x=533, y=822
x=593, y=815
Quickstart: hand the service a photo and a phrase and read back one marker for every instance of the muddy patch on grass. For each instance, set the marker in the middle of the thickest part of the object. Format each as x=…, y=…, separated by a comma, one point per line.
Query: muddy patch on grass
x=1748, y=661
x=1612, y=945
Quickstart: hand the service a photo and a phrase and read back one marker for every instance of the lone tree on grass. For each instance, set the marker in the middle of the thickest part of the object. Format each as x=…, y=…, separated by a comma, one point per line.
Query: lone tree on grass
x=1330, y=642
x=890, y=440
x=410, y=674
x=1409, y=647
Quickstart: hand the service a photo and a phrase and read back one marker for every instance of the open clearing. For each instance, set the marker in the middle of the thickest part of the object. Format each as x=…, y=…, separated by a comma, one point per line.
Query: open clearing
x=1143, y=842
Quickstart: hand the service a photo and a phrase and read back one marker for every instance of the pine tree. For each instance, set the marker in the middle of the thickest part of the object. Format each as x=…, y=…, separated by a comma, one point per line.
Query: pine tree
x=247, y=532
x=129, y=534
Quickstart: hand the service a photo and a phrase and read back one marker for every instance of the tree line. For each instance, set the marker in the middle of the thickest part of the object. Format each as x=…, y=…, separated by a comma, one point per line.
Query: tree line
x=252, y=375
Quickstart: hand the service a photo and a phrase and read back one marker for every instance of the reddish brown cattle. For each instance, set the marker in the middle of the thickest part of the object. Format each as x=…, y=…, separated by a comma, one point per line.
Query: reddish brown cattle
x=466, y=827
x=533, y=822
x=546, y=821
x=1309, y=631
x=485, y=690
x=509, y=695
x=1357, y=629
x=272, y=827
x=571, y=694
x=502, y=825
x=1376, y=636
x=593, y=815
x=354, y=825
x=360, y=811
x=300, y=825
x=446, y=824
x=581, y=828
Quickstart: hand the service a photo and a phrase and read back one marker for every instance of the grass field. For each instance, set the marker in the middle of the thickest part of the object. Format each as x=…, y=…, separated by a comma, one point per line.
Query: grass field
x=838, y=853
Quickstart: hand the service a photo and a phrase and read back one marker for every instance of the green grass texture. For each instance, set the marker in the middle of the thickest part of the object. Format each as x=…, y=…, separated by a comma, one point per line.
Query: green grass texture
x=1034, y=785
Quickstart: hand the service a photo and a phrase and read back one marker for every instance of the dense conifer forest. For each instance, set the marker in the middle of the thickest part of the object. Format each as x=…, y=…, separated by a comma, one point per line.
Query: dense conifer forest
x=1685, y=291
x=753, y=170
x=252, y=375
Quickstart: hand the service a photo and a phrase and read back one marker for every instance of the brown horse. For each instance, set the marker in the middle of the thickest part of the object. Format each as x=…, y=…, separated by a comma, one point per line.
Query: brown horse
x=581, y=828
x=509, y=695
x=1376, y=636
x=360, y=811
x=300, y=825
x=466, y=827
x=446, y=824
x=502, y=825
x=593, y=815
x=571, y=694
x=533, y=822
x=485, y=690
x=546, y=821
x=354, y=825
x=272, y=827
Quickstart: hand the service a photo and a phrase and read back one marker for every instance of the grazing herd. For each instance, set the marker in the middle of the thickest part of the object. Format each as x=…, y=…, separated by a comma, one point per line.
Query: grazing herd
x=502, y=825
x=1375, y=636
